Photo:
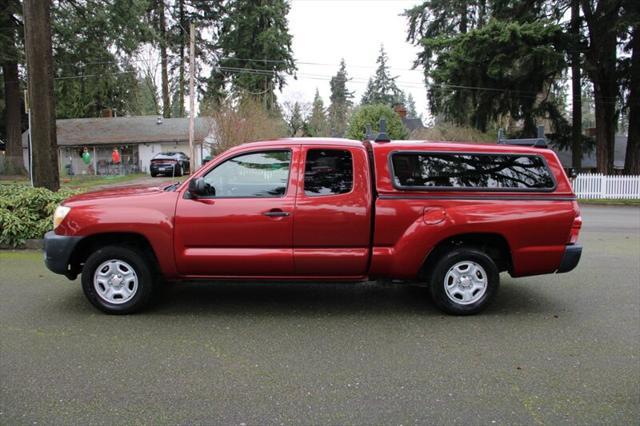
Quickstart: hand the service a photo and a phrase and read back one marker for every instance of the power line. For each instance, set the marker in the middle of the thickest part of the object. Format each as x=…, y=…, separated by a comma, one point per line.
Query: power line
x=324, y=77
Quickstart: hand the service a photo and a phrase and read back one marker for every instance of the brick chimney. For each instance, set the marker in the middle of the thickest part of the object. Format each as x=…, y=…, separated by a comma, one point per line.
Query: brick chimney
x=400, y=110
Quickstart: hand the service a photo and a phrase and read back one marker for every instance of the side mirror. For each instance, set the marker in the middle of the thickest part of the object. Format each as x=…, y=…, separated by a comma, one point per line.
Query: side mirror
x=197, y=187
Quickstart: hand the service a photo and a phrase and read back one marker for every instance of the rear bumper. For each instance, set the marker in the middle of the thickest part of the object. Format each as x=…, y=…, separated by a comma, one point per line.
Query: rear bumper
x=166, y=168
x=570, y=258
x=57, y=253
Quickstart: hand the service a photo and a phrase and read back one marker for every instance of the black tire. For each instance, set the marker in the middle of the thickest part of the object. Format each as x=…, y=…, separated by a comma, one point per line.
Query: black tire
x=141, y=268
x=454, y=303
x=178, y=170
x=154, y=174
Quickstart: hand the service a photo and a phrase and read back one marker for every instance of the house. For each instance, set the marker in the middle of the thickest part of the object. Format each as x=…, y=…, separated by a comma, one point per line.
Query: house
x=411, y=124
x=589, y=160
x=138, y=139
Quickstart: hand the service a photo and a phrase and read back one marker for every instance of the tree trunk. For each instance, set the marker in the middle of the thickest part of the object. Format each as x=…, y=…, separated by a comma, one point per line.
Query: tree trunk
x=482, y=10
x=464, y=20
x=37, y=34
x=600, y=65
x=605, y=124
x=576, y=90
x=14, y=162
x=632, y=156
x=166, y=102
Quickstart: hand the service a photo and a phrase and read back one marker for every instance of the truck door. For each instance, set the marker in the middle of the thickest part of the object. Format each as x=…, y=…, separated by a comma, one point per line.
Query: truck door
x=333, y=212
x=246, y=228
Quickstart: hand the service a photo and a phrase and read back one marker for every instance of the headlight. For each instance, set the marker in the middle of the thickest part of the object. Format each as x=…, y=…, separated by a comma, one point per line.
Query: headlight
x=59, y=215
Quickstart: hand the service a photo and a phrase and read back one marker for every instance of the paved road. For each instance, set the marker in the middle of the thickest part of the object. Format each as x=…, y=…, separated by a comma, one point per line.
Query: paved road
x=552, y=349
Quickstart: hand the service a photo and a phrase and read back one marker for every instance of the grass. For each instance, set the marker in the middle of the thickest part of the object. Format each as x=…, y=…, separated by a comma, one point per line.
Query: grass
x=81, y=183
x=610, y=202
x=85, y=183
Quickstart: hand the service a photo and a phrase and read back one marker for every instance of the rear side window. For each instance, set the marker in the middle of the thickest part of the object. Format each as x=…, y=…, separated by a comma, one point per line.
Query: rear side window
x=328, y=172
x=471, y=171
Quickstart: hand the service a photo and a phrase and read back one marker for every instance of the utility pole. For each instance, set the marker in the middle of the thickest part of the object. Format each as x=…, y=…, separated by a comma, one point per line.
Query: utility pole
x=37, y=37
x=192, y=101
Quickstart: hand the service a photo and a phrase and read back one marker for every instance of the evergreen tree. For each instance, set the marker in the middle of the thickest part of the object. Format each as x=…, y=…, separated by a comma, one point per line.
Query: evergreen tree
x=144, y=100
x=295, y=119
x=410, y=105
x=475, y=63
x=317, y=124
x=88, y=40
x=509, y=63
x=382, y=88
x=341, y=101
x=256, y=48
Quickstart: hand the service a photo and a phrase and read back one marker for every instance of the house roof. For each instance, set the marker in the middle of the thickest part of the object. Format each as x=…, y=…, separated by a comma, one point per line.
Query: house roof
x=412, y=123
x=127, y=130
x=589, y=160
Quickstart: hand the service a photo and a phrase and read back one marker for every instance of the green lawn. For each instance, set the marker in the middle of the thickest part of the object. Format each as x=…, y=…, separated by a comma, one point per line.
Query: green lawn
x=82, y=183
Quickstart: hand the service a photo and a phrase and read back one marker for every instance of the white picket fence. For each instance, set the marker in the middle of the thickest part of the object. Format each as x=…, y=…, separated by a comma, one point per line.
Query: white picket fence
x=597, y=185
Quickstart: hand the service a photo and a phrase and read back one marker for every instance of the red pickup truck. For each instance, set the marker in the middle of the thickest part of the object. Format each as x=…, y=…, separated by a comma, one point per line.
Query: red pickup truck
x=445, y=215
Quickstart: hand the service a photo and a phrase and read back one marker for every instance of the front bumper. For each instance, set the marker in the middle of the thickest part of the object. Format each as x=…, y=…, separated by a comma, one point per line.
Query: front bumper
x=57, y=253
x=570, y=259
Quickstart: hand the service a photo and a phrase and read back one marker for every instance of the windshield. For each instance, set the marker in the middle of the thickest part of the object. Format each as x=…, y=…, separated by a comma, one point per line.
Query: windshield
x=165, y=155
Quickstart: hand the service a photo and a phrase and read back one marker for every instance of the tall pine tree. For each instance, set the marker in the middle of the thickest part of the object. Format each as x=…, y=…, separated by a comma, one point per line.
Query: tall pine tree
x=410, y=105
x=317, y=124
x=256, y=48
x=341, y=102
x=88, y=41
x=382, y=88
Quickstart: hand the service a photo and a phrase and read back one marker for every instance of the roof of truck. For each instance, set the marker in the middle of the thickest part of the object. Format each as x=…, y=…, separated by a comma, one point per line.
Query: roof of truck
x=403, y=145
x=426, y=145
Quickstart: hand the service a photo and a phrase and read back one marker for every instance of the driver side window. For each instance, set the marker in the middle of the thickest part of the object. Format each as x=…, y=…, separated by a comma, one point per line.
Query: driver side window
x=259, y=174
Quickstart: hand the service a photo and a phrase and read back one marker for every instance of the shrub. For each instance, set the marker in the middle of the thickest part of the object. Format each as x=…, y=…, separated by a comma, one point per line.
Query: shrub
x=248, y=121
x=27, y=212
x=452, y=133
x=371, y=115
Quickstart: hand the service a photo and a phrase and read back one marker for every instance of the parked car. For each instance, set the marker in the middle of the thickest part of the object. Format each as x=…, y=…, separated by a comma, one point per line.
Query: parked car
x=169, y=163
x=448, y=216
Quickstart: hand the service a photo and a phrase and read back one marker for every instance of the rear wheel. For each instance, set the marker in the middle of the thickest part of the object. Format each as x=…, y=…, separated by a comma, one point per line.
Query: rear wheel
x=178, y=170
x=464, y=281
x=117, y=280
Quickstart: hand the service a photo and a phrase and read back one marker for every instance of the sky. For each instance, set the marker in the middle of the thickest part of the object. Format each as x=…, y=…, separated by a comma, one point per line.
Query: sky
x=324, y=31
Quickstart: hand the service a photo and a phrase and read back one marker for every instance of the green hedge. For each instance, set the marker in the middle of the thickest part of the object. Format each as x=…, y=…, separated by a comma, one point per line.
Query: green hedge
x=27, y=212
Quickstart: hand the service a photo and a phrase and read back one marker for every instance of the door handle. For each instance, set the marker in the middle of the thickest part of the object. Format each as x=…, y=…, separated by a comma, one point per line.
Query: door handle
x=276, y=213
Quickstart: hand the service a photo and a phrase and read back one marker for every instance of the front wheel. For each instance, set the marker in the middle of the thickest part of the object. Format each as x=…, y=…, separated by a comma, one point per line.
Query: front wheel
x=464, y=281
x=117, y=280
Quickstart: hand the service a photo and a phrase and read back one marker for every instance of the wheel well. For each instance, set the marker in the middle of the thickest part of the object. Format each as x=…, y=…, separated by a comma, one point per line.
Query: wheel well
x=90, y=244
x=494, y=245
